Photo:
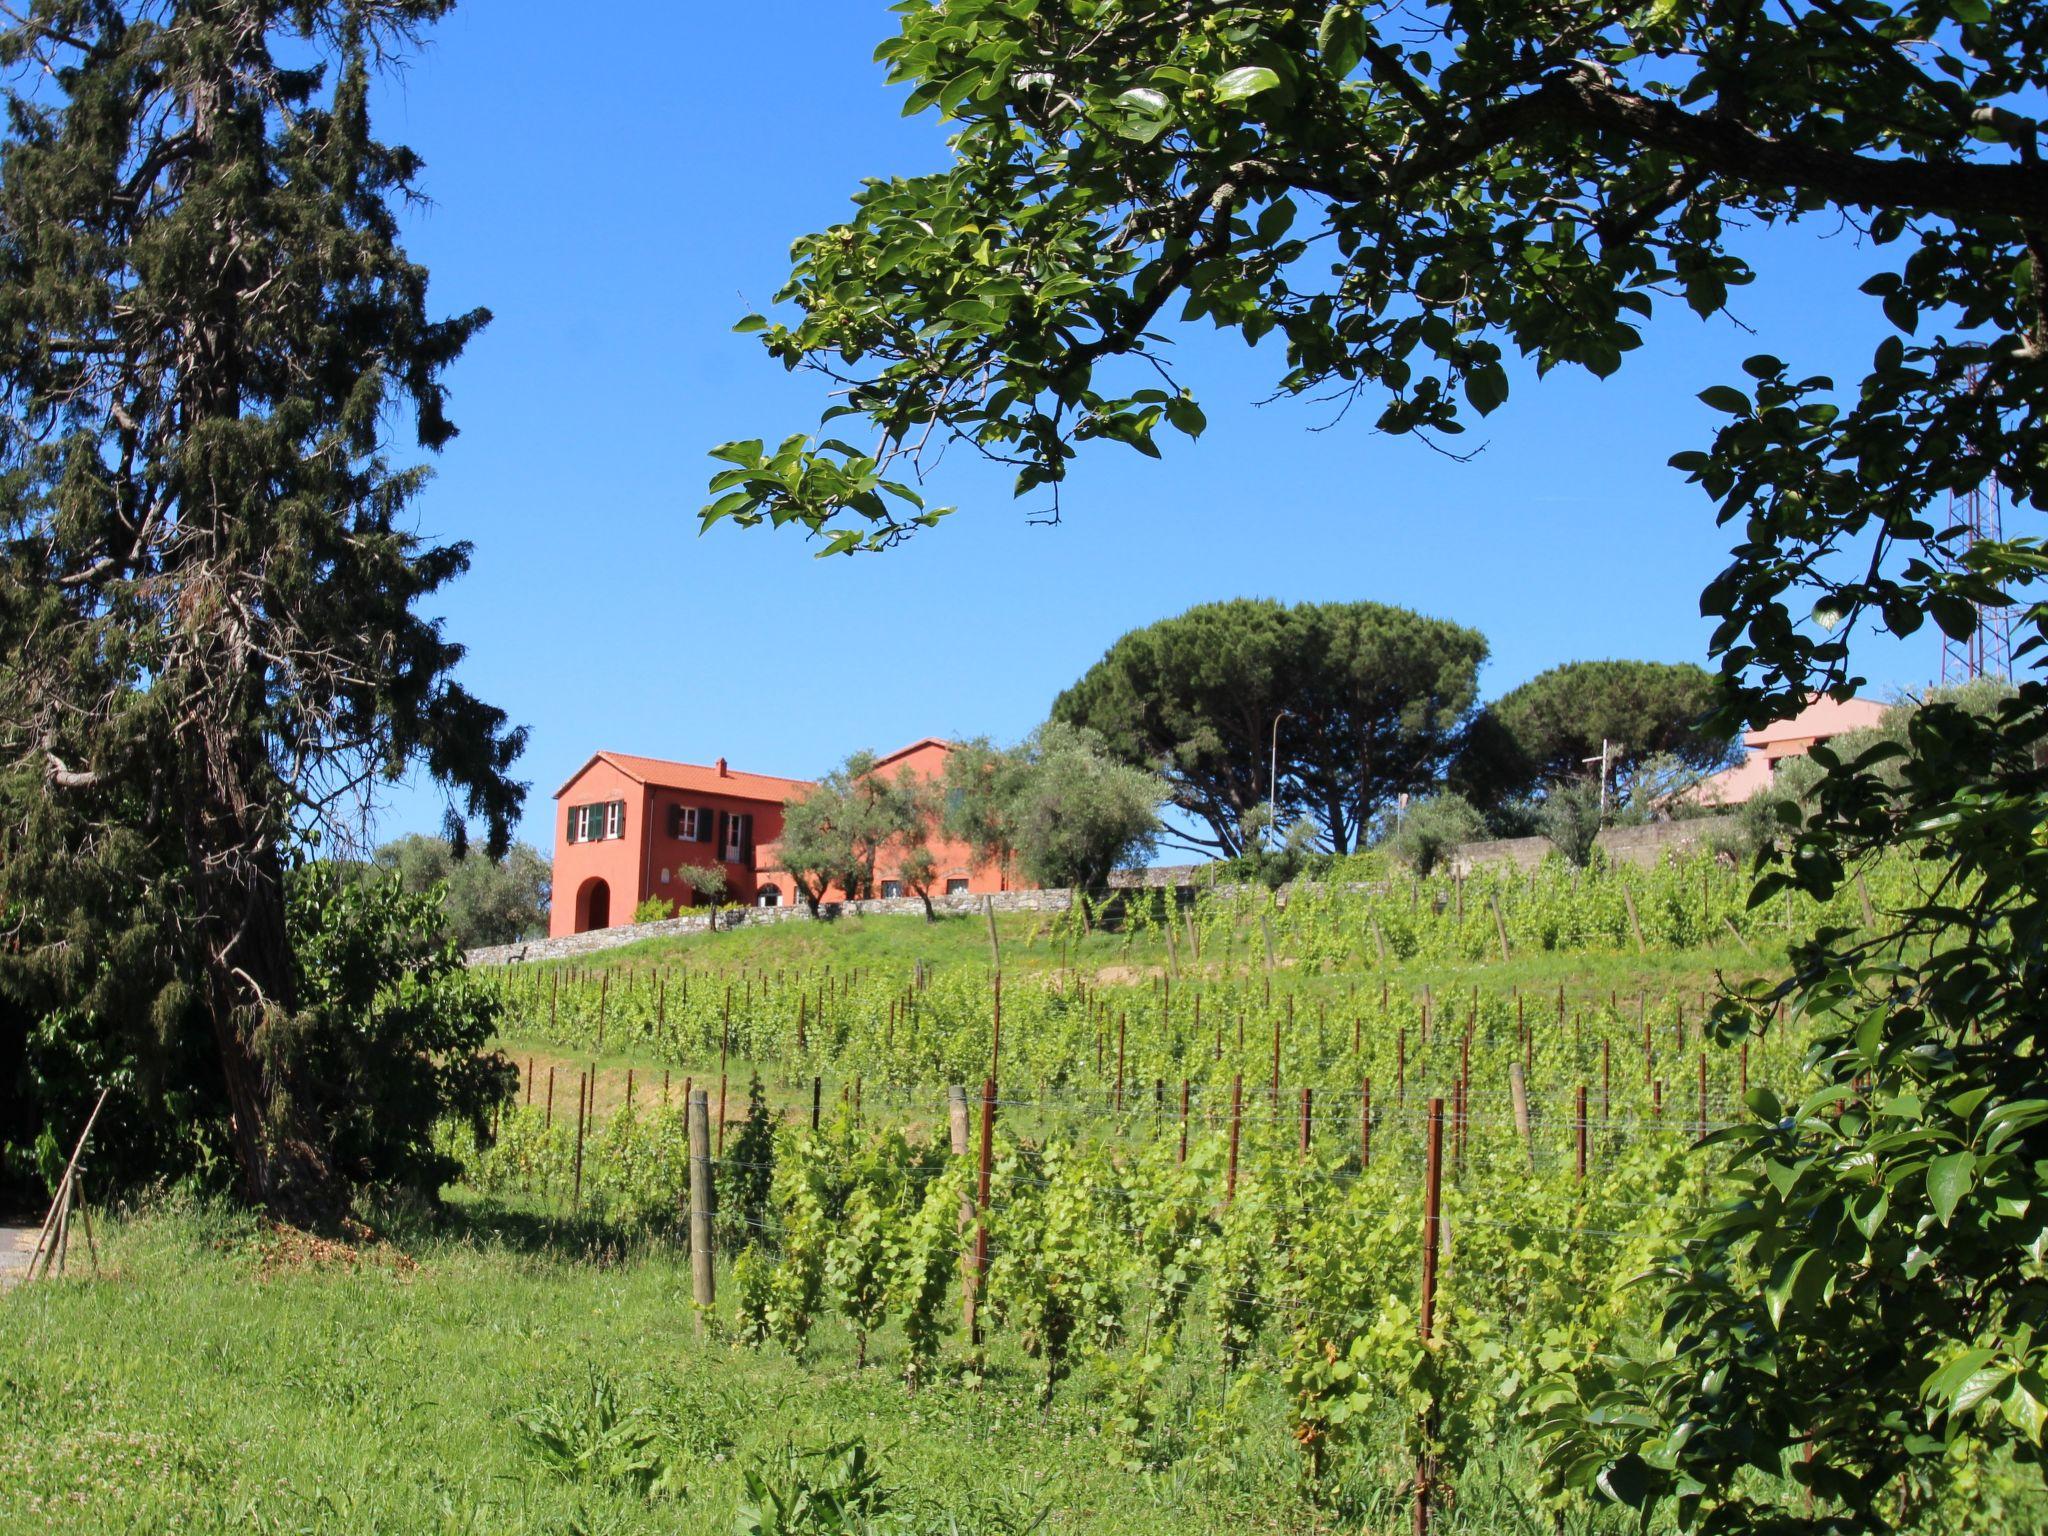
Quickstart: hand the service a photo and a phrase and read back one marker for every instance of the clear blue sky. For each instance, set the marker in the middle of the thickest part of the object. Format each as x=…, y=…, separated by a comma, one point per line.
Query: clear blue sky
x=618, y=232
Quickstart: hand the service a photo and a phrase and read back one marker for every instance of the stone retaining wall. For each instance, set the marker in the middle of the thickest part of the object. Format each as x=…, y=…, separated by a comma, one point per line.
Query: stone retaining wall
x=599, y=939
x=1644, y=845
x=1626, y=845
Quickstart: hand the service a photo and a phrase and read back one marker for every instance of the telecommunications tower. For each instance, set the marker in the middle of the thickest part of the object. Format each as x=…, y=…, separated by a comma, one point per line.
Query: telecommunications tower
x=1987, y=650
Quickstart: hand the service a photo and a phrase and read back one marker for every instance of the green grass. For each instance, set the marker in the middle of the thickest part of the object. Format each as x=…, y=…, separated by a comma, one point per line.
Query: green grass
x=216, y=1378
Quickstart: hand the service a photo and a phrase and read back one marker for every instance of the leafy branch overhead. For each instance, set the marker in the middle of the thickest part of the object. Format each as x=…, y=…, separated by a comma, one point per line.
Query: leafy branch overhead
x=1405, y=204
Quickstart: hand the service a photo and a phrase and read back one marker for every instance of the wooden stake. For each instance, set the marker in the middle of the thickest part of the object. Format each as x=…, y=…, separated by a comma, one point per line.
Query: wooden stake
x=1365, y=1125
x=1236, y=1124
x=957, y=1124
x=988, y=1129
x=703, y=1287
x=1581, y=1108
x=1432, y=1218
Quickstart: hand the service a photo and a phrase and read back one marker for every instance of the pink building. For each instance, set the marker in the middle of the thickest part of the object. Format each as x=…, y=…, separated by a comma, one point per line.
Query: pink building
x=1822, y=720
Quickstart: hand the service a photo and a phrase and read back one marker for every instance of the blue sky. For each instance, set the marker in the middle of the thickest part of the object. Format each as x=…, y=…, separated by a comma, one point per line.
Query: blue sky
x=618, y=233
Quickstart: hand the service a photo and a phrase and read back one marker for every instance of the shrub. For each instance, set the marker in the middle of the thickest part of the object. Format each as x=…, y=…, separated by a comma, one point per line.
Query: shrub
x=1433, y=830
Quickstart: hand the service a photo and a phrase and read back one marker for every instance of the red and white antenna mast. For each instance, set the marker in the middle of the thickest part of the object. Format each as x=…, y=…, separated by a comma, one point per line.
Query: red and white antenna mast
x=1987, y=650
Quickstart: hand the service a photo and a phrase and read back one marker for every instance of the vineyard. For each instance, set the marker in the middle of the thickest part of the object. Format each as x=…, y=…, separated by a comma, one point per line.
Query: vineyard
x=1233, y=1159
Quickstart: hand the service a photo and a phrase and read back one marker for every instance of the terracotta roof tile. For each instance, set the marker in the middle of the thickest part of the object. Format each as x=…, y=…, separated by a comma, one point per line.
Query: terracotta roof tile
x=698, y=778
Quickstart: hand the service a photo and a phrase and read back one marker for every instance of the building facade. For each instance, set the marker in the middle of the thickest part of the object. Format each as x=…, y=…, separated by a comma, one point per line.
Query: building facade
x=1821, y=721
x=629, y=829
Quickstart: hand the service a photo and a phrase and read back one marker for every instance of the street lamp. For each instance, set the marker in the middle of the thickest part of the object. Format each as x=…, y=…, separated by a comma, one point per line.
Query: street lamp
x=1273, y=765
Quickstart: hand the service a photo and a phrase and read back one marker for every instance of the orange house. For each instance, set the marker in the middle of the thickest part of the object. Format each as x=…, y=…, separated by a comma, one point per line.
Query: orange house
x=626, y=827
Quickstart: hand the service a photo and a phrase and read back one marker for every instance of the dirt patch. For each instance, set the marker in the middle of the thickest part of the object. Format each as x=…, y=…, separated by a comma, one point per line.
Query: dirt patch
x=287, y=1250
x=1124, y=975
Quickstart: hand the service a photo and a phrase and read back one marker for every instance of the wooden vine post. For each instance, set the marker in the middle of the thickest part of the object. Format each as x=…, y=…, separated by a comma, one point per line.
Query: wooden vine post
x=1365, y=1125
x=1580, y=1159
x=703, y=1287
x=1432, y=1219
x=724, y=1044
x=958, y=1125
x=988, y=1131
x=582, y=1096
x=1236, y=1125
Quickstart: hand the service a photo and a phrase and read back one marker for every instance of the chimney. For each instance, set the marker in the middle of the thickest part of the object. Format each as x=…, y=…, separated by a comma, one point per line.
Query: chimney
x=721, y=768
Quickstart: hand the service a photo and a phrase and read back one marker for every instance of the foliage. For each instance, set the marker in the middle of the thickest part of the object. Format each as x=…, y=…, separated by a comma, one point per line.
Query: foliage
x=1552, y=726
x=843, y=1496
x=1432, y=829
x=1569, y=815
x=587, y=1436
x=210, y=619
x=1540, y=183
x=746, y=1175
x=486, y=900
x=706, y=880
x=1885, y=1225
x=394, y=1037
x=834, y=835
x=654, y=909
x=923, y=1252
x=1057, y=805
x=856, y=1268
x=1372, y=696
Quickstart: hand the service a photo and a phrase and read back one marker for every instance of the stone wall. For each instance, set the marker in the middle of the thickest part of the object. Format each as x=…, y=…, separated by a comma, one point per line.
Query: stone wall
x=1626, y=845
x=1644, y=845
x=600, y=939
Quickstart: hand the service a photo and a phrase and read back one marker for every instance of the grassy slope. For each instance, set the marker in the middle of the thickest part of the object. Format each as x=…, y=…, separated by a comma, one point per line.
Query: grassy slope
x=205, y=1387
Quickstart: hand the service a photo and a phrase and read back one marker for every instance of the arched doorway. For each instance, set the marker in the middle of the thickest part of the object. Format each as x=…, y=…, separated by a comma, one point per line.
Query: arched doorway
x=593, y=905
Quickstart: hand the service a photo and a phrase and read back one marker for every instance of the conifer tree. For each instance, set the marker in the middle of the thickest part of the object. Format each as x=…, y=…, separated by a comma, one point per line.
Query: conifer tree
x=209, y=638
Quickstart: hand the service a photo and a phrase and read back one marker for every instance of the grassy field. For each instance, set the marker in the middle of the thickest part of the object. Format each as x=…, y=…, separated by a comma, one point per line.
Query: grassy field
x=219, y=1377
x=508, y=1364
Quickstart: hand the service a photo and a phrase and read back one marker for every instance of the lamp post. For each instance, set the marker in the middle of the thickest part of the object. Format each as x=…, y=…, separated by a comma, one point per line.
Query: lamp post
x=1273, y=766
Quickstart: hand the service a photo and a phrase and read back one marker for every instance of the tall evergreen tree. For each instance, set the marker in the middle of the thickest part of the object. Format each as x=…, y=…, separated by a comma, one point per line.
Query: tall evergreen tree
x=209, y=643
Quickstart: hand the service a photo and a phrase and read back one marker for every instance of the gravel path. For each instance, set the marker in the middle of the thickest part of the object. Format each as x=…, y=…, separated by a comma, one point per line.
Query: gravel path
x=15, y=1246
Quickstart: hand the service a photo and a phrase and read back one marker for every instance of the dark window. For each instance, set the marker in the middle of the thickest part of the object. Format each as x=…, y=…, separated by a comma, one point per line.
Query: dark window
x=956, y=887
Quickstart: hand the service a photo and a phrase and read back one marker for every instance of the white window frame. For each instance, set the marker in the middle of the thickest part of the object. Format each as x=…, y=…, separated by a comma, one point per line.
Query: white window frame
x=957, y=887
x=735, y=849
x=614, y=819
x=686, y=825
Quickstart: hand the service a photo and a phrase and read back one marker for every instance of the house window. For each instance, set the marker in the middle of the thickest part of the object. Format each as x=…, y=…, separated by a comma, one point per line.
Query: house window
x=892, y=889
x=736, y=844
x=956, y=887
x=769, y=896
x=689, y=824
x=596, y=823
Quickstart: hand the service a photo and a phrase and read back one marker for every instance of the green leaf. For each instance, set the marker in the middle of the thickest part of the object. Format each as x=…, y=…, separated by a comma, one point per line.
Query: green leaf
x=1341, y=39
x=1245, y=82
x=1948, y=1180
x=2023, y=1407
x=1628, y=1481
x=1723, y=397
x=1795, y=1281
